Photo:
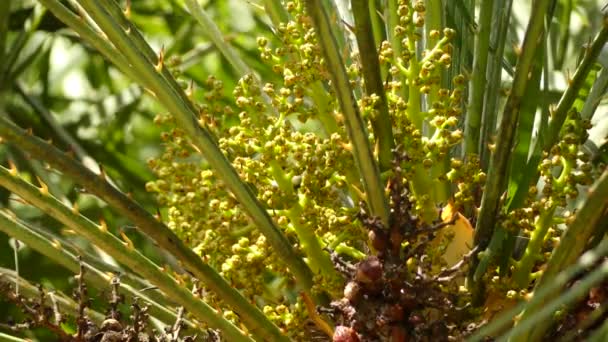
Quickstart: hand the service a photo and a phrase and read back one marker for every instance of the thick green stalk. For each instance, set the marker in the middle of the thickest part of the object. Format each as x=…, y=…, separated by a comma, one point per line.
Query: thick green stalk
x=432, y=22
x=156, y=230
x=479, y=80
x=578, y=80
x=532, y=254
x=549, y=137
x=5, y=10
x=573, y=243
x=497, y=173
x=505, y=319
x=275, y=11
x=543, y=317
x=61, y=256
x=9, y=338
x=172, y=98
x=561, y=49
x=370, y=64
x=318, y=259
x=121, y=251
x=215, y=35
x=376, y=25
x=597, y=93
x=392, y=21
x=90, y=36
x=492, y=94
x=355, y=126
x=600, y=334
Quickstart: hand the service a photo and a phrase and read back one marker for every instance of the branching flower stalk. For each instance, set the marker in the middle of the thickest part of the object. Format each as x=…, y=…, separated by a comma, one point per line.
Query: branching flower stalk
x=357, y=132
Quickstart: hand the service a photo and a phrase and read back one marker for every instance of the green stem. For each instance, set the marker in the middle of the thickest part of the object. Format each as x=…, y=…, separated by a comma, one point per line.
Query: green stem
x=578, y=80
x=497, y=176
x=276, y=12
x=550, y=137
x=492, y=94
x=392, y=15
x=432, y=22
x=506, y=318
x=5, y=10
x=61, y=256
x=316, y=91
x=564, y=33
x=9, y=338
x=153, y=228
x=597, y=93
x=318, y=259
x=90, y=36
x=355, y=126
x=414, y=112
x=478, y=79
x=573, y=243
x=215, y=35
x=538, y=322
x=124, y=254
x=523, y=267
x=381, y=122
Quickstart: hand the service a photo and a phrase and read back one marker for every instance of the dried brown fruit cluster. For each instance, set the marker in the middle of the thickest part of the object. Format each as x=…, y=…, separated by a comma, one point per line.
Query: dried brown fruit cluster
x=398, y=293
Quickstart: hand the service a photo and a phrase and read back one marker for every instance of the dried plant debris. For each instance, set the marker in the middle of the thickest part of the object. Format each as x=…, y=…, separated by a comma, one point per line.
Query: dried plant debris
x=117, y=326
x=398, y=293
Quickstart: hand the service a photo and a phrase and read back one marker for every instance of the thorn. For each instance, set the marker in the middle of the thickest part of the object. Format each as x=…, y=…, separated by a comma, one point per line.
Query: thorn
x=190, y=90
x=348, y=26
x=157, y=216
x=255, y=5
x=127, y=10
x=517, y=50
x=103, y=226
x=195, y=147
x=129, y=195
x=81, y=13
x=75, y=209
x=102, y=172
x=18, y=200
x=126, y=239
x=12, y=168
x=56, y=243
x=161, y=59
x=50, y=141
x=44, y=189
x=29, y=131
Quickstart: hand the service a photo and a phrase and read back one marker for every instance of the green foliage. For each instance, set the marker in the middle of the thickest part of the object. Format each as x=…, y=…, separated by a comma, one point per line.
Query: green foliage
x=285, y=175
